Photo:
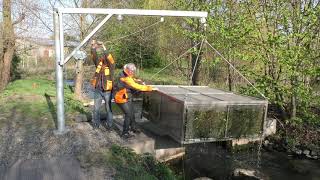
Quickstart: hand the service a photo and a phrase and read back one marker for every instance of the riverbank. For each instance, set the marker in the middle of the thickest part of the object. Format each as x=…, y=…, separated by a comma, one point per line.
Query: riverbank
x=302, y=141
x=27, y=121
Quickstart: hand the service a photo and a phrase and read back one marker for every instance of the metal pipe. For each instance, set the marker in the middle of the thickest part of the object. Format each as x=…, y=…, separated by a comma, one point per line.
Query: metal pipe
x=86, y=38
x=59, y=72
x=141, y=12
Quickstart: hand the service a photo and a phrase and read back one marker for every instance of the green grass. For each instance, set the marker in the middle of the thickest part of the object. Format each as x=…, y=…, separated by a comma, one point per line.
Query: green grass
x=34, y=86
x=165, y=77
x=34, y=99
x=128, y=165
x=316, y=87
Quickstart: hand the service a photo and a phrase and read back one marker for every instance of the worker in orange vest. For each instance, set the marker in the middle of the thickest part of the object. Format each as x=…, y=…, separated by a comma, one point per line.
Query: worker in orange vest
x=102, y=81
x=126, y=85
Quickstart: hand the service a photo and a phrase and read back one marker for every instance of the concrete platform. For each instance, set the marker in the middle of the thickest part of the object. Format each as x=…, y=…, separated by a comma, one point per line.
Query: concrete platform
x=152, y=140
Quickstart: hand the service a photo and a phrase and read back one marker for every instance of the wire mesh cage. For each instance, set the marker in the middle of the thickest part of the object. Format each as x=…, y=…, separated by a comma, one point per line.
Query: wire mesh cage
x=191, y=114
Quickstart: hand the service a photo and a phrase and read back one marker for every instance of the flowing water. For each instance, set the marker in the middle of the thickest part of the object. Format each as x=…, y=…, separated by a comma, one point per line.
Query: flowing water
x=216, y=162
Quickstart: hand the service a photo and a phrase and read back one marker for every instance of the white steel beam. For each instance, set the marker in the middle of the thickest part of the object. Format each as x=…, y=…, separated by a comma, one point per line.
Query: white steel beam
x=87, y=38
x=141, y=12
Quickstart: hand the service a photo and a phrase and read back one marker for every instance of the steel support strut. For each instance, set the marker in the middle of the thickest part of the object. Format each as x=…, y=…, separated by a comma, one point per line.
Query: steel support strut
x=59, y=47
x=86, y=39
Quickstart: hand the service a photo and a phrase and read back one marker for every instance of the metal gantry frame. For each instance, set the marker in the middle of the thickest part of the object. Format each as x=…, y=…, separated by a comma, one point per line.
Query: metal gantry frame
x=59, y=42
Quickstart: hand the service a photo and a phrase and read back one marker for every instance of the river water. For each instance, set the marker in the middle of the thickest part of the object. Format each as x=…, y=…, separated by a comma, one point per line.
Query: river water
x=217, y=162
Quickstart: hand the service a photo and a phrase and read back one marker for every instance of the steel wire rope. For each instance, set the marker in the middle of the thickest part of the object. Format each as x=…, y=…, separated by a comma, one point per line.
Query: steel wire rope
x=195, y=65
x=125, y=36
x=131, y=33
x=86, y=44
x=236, y=70
x=174, y=60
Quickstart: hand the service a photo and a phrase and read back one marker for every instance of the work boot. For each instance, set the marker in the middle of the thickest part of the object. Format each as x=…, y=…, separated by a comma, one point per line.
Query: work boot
x=126, y=135
x=107, y=127
x=136, y=131
x=95, y=125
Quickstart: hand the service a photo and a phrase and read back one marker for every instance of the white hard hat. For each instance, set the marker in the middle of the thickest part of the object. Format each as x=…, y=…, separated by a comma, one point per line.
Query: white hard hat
x=130, y=68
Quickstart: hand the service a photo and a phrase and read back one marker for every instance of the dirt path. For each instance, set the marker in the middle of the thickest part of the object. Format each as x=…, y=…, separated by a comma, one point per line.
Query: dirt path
x=62, y=168
x=29, y=150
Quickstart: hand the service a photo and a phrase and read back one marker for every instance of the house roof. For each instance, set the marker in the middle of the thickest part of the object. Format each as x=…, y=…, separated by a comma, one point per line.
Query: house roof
x=50, y=42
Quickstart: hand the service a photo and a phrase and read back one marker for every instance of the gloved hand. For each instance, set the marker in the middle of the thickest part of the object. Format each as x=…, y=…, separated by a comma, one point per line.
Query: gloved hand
x=140, y=81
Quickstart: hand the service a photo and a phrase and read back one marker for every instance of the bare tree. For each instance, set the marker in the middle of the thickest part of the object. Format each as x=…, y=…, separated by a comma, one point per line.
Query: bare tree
x=8, y=46
x=80, y=71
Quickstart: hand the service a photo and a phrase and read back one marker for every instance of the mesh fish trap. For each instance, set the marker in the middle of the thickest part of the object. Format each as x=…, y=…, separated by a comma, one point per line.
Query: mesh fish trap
x=191, y=114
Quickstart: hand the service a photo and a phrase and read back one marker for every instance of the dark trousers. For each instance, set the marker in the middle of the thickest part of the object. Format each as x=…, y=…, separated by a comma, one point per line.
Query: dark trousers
x=129, y=119
x=98, y=97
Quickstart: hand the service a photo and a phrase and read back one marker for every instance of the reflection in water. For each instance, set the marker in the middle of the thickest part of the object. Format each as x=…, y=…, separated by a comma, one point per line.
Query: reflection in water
x=214, y=160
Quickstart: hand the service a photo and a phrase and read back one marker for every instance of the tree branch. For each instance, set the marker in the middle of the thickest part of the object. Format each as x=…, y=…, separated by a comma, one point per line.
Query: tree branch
x=20, y=19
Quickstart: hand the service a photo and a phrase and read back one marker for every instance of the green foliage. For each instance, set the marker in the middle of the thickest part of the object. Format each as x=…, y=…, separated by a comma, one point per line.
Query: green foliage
x=15, y=72
x=30, y=86
x=128, y=42
x=163, y=78
x=143, y=54
x=129, y=165
x=207, y=124
x=275, y=44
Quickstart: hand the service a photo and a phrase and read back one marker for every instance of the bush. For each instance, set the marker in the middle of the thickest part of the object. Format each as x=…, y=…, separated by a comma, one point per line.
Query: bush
x=129, y=165
x=15, y=72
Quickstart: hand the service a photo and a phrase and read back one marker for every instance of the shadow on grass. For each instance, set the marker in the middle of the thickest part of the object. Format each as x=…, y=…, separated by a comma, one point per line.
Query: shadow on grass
x=52, y=108
x=71, y=89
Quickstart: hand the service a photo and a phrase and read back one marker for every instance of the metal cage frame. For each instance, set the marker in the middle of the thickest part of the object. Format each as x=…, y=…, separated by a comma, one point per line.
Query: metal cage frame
x=173, y=118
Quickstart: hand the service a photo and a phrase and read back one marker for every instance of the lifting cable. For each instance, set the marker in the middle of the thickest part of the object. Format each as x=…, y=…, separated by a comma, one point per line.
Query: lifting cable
x=236, y=70
x=134, y=32
x=119, y=38
x=174, y=60
x=125, y=36
x=195, y=65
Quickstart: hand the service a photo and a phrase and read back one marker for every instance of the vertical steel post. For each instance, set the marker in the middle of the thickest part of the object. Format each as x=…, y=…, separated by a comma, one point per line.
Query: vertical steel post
x=58, y=34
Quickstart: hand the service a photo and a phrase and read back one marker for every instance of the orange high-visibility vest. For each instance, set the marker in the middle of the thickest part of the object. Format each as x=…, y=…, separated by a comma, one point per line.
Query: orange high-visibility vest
x=104, y=73
x=124, y=86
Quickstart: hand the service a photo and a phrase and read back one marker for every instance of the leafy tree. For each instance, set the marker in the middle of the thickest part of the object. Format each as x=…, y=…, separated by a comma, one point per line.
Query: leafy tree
x=194, y=30
x=140, y=47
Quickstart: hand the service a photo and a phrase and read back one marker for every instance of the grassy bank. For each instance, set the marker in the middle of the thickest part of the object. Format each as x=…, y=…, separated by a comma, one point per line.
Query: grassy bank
x=35, y=98
x=127, y=164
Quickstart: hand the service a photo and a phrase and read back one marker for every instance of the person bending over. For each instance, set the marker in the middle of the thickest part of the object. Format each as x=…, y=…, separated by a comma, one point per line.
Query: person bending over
x=126, y=85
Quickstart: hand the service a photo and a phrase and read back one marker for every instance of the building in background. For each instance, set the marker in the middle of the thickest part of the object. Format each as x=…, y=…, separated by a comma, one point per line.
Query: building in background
x=34, y=51
x=38, y=51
